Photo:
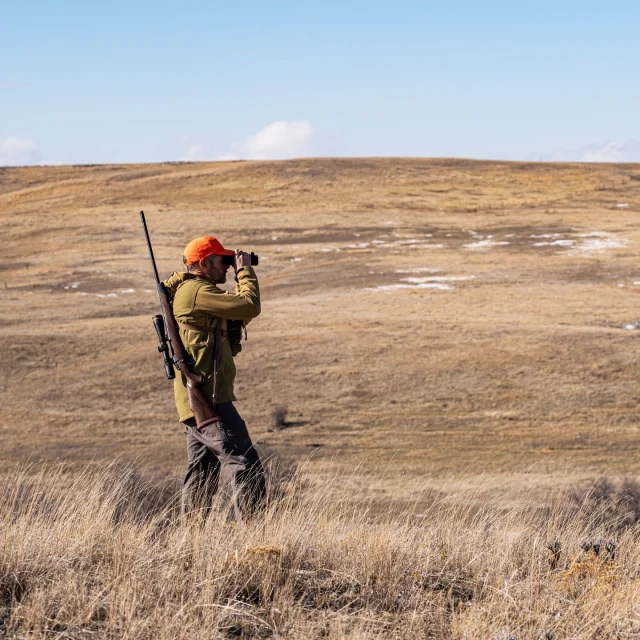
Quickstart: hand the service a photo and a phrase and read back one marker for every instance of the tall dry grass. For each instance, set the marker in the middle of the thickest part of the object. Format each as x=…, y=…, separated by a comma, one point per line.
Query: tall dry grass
x=103, y=554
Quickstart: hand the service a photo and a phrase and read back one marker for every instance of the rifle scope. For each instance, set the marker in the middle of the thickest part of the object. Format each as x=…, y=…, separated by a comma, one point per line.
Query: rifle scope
x=163, y=348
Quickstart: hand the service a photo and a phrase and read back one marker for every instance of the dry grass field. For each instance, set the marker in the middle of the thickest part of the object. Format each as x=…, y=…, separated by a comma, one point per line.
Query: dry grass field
x=102, y=554
x=443, y=332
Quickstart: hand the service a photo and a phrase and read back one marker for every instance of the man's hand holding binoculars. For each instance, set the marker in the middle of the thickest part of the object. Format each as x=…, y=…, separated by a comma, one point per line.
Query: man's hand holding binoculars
x=243, y=259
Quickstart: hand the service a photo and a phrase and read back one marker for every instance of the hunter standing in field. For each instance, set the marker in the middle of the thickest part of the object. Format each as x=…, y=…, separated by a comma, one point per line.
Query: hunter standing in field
x=205, y=315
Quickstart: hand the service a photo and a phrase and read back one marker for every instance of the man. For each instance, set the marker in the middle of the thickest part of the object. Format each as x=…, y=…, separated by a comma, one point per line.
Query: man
x=202, y=310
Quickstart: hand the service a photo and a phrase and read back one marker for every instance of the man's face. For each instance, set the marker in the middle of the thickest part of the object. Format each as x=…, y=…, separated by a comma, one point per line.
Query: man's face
x=214, y=270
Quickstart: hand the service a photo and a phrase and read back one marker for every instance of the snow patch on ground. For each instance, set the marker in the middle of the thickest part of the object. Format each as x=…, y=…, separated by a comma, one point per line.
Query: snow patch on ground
x=554, y=243
x=572, y=242
x=423, y=285
x=439, y=283
x=113, y=294
x=585, y=244
x=546, y=235
x=484, y=244
x=437, y=279
x=409, y=243
x=598, y=242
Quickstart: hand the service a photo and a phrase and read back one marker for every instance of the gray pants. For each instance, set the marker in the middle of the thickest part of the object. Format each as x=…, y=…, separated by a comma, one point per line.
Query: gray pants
x=227, y=444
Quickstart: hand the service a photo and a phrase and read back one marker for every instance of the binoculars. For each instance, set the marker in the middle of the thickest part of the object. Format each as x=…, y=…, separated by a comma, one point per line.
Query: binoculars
x=231, y=260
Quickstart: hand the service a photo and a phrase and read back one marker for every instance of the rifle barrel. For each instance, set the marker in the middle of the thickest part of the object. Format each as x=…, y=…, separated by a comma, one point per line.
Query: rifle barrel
x=153, y=260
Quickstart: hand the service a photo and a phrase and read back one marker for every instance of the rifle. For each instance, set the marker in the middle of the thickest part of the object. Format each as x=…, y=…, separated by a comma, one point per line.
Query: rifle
x=174, y=353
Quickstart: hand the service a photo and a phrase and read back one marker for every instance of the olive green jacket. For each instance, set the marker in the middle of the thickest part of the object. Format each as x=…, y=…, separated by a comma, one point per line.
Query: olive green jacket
x=199, y=303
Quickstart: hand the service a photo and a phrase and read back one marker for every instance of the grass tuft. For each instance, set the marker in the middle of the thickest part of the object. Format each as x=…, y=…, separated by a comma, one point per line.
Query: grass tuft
x=279, y=416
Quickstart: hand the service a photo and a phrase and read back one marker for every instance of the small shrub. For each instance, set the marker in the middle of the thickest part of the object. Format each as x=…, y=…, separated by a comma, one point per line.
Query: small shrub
x=279, y=416
x=613, y=504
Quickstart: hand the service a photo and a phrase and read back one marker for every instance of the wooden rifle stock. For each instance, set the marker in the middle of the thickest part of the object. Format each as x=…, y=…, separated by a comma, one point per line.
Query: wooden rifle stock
x=201, y=405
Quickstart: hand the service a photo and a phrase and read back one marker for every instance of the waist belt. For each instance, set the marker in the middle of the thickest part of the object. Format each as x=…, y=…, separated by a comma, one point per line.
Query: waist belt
x=192, y=327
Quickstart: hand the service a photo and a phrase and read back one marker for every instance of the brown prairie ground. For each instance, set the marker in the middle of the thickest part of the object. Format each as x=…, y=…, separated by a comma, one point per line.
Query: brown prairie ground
x=422, y=318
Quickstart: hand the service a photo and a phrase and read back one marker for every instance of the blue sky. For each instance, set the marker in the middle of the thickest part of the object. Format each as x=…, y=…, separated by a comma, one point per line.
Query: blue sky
x=142, y=81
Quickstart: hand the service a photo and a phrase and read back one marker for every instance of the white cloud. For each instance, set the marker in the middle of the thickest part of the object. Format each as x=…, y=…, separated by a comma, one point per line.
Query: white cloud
x=18, y=151
x=277, y=141
x=627, y=151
